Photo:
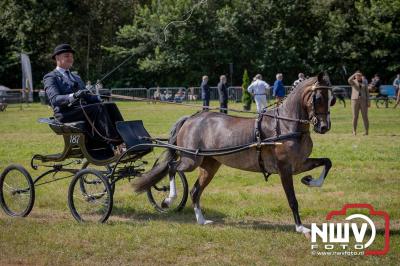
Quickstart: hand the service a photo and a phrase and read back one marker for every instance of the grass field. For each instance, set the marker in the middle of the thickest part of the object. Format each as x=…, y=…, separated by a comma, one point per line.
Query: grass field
x=253, y=222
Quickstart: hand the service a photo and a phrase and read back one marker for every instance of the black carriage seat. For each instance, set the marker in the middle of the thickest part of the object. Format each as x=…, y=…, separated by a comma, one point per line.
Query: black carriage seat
x=95, y=151
x=133, y=133
x=61, y=128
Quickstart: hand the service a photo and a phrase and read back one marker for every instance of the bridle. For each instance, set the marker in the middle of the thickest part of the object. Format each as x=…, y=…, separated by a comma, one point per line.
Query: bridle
x=313, y=116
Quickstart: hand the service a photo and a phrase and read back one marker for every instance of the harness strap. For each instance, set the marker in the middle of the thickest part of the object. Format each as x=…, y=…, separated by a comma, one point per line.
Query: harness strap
x=277, y=126
x=259, y=145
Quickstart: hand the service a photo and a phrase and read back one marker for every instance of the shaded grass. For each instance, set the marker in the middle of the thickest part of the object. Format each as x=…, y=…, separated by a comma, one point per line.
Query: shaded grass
x=254, y=224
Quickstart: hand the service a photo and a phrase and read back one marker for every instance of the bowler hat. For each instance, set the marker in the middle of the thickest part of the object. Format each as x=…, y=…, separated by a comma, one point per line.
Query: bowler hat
x=62, y=48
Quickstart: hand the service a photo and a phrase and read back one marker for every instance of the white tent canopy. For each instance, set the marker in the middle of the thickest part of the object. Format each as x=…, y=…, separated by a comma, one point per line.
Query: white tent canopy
x=4, y=88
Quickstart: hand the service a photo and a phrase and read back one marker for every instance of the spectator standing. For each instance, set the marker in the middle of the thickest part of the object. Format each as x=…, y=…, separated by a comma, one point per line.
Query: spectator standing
x=279, y=90
x=359, y=100
x=99, y=86
x=205, y=93
x=258, y=89
x=223, y=94
x=375, y=84
x=396, y=84
x=157, y=94
x=300, y=79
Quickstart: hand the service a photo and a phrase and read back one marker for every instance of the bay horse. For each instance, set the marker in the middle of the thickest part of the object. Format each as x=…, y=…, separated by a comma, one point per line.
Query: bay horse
x=309, y=104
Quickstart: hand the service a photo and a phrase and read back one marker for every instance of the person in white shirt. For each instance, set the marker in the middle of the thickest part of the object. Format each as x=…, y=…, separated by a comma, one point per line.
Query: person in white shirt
x=297, y=81
x=259, y=90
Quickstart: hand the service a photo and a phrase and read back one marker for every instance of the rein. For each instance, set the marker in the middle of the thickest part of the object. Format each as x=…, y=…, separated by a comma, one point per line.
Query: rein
x=216, y=152
x=276, y=116
x=91, y=123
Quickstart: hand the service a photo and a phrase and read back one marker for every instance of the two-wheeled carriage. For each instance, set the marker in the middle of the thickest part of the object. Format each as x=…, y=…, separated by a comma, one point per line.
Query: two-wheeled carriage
x=95, y=169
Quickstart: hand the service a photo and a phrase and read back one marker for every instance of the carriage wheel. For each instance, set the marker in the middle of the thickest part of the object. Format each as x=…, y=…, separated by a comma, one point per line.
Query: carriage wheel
x=106, y=171
x=17, y=192
x=94, y=204
x=159, y=192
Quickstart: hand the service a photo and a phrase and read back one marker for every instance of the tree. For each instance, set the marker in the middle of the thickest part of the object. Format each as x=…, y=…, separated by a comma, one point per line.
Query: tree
x=262, y=36
x=36, y=27
x=246, y=96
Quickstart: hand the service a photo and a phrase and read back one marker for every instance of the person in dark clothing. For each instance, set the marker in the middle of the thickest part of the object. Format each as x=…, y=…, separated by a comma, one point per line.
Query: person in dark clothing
x=71, y=102
x=223, y=94
x=205, y=93
x=375, y=85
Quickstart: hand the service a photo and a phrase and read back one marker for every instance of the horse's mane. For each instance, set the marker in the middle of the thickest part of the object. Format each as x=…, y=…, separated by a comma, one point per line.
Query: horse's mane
x=305, y=83
x=299, y=88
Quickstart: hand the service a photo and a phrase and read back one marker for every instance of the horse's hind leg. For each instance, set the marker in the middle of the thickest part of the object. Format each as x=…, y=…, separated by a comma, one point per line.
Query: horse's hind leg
x=285, y=172
x=312, y=163
x=207, y=171
x=172, y=186
x=186, y=164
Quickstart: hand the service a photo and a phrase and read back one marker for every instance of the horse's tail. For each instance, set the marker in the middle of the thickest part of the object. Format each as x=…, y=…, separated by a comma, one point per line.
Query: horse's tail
x=160, y=168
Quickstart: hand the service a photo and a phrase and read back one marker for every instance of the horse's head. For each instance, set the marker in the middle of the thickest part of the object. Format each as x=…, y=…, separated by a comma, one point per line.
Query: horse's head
x=317, y=100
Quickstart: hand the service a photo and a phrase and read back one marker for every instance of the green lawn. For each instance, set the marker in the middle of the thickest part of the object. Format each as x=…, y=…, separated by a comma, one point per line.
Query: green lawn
x=253, y=222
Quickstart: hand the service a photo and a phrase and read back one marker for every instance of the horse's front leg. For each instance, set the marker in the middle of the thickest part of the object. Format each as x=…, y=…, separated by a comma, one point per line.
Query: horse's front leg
x=312, y=163
x=285, y=172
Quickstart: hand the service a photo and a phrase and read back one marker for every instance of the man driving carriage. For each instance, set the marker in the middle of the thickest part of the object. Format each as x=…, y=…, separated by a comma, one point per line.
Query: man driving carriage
x=71, y=102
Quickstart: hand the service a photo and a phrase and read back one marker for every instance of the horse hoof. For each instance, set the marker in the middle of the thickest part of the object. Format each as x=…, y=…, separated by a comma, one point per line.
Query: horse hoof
x=307, y=235
x=204, y=222
x=306, y=180
x=302, y=229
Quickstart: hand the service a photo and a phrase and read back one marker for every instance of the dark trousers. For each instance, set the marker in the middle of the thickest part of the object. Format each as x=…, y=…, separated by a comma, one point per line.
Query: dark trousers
x=102, y=115
x=206, y=104
x=223, y=105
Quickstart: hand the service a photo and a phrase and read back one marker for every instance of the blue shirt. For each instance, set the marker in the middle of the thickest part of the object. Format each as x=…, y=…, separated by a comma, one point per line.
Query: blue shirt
x=279, y=89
